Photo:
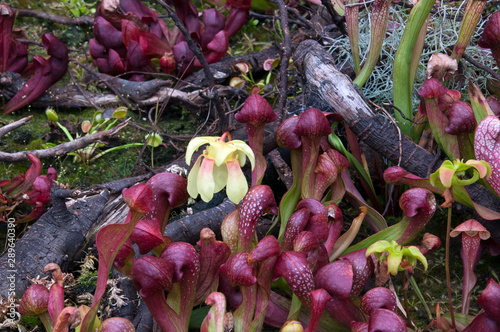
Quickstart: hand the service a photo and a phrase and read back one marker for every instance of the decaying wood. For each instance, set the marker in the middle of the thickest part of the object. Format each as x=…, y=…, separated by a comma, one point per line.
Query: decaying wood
x=284, y=171
x=375, y=129
x=129, y=292
x=54, y=238
x=63, y=233
x=143, y=321
x=224, y=70
x=142, y=93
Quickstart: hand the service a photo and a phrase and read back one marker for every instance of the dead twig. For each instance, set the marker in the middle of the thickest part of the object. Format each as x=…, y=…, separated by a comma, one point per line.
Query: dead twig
x=83, y=92
x=301, y=18
x=82, y=20
x=39, y=44
x=143, y=94
x=329, y=7
x=284, y=171
x=109, y=86
x=480, y=66
x=206, y=69
x=285, y=57
x=61, y=149
x=395, y=126
x=11, y=126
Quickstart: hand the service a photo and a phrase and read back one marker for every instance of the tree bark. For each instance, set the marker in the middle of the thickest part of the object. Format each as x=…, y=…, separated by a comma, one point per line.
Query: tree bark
x=82, y=20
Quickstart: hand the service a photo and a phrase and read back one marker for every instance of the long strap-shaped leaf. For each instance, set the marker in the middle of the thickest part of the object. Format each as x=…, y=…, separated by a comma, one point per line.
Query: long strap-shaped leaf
x=402, y=85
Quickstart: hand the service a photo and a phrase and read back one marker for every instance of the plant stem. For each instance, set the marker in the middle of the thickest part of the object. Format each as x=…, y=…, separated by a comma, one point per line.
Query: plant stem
x=65, y=130
x=405, y=294
x=351, y=19
x=152, y=157
x=295, y=307
x=126, y=146
x=46, y=321
x=471, y=17
x=447, y=267
x=285, y=58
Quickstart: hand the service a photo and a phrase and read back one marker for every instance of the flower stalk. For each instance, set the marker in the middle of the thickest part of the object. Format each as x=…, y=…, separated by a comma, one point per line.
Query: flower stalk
x=447, y=268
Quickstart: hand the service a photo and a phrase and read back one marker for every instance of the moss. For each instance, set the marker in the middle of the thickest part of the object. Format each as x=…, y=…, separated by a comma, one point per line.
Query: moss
x=112, y=166
x=30, y=322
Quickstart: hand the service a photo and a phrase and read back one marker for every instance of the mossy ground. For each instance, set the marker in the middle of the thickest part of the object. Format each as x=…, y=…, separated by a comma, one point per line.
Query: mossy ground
x=112, y=166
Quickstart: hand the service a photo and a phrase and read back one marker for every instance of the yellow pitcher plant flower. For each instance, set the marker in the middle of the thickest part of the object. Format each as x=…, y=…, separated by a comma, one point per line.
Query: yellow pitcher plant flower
x=218, y=166
x=395, y=253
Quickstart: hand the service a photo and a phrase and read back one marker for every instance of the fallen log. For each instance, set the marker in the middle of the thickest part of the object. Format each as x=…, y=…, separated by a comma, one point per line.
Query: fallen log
x=375, y=129
x=62, y=232
x=54, y=238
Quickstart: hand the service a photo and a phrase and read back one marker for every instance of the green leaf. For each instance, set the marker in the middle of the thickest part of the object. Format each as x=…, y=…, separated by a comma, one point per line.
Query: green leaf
x=119, y=113
x=197, y=317
x=52, y=115
x=402, y=63
x=153, y=140
x=292, y=196
x=479, y=104
x=378, y=247
x=389, y=234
